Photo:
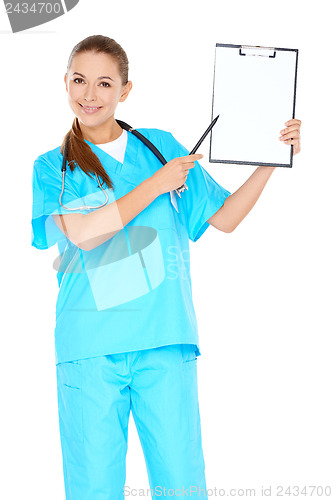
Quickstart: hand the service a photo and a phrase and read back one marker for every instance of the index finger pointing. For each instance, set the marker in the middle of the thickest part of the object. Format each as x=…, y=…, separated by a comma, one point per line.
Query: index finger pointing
x=191, y=158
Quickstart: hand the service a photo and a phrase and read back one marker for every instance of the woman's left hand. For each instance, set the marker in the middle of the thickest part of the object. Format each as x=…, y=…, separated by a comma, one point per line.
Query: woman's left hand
x=292, y=135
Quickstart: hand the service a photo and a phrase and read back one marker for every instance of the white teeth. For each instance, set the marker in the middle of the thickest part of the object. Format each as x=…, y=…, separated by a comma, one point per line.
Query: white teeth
x=85, y=107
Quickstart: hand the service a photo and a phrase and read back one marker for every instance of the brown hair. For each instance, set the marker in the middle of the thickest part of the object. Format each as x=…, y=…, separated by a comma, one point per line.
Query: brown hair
x=79, y=152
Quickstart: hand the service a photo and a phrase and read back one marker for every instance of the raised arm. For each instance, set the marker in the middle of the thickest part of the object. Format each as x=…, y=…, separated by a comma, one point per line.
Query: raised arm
x=87, y=231
x=239, y=204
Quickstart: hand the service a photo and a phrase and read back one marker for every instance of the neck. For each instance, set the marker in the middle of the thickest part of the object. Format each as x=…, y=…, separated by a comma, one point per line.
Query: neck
x=100, y=135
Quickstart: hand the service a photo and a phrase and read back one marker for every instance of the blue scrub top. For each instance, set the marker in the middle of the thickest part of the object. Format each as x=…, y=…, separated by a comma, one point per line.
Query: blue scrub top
x=133, y=291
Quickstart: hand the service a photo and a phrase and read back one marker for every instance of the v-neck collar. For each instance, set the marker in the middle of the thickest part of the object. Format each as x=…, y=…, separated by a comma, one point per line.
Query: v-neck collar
x=131, y=152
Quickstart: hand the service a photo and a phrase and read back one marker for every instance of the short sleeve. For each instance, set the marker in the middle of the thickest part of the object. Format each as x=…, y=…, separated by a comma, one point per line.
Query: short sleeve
x=46, y=190
x=204, y=196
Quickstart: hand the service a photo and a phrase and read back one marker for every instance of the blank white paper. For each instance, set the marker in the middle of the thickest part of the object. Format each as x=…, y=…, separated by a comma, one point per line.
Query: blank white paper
x=254, y=96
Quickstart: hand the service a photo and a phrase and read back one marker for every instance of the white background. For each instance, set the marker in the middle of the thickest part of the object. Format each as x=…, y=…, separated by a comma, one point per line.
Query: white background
x=262, y=293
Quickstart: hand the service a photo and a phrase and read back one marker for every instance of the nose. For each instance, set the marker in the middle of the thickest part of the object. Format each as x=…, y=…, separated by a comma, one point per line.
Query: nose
x=89, y=94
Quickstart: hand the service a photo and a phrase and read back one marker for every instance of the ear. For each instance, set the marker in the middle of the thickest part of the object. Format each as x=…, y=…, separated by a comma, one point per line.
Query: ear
x=65, y=80
x=126, y=91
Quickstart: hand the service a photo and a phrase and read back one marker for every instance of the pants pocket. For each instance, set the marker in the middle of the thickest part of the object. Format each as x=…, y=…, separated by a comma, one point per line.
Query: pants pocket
x=191, y=388
x=69, y=387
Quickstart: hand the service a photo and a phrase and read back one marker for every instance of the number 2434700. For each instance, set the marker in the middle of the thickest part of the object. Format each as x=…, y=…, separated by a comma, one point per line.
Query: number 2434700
x=35, y=8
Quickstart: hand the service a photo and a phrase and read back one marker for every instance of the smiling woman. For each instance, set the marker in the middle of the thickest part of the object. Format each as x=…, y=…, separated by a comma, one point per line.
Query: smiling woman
x=126, y=333
x=83, y=93
x=94, y=94
x=124, y=303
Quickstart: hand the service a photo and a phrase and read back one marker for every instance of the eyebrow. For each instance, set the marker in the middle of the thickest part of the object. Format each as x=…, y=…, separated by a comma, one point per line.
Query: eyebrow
x=99, y=78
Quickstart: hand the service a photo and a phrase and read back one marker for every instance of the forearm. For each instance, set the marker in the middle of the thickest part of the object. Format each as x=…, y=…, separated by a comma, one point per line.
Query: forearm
x=102, y=224
x=238, y=205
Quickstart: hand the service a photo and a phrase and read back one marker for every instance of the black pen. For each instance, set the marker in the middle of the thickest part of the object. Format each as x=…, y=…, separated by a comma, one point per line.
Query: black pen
x=204, y=136
x=182, y=188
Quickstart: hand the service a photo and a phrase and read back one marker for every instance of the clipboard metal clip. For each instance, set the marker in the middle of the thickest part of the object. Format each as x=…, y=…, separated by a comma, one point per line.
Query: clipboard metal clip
x=256, y=50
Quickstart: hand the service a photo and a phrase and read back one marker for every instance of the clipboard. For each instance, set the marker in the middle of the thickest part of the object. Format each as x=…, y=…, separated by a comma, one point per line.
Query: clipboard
x=254, y=92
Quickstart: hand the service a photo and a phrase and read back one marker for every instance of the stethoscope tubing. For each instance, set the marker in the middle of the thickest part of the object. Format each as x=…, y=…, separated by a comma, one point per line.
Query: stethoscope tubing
x=137, y=134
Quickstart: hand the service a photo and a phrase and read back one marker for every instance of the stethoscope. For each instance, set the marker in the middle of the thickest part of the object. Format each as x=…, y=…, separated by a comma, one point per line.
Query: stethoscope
x=137, y=134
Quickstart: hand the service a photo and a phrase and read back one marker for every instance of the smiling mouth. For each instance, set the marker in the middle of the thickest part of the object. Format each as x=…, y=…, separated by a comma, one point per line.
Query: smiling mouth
x=89, y=107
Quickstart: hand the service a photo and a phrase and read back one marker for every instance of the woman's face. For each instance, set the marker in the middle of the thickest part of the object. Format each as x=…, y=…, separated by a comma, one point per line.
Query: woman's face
x=94, y=88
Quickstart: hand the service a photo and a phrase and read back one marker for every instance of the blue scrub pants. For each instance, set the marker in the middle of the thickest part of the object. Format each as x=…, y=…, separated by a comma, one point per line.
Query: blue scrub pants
x=95, y=397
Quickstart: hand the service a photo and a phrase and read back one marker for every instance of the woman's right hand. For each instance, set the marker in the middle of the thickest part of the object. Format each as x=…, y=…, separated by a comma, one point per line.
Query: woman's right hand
x=174, y=173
